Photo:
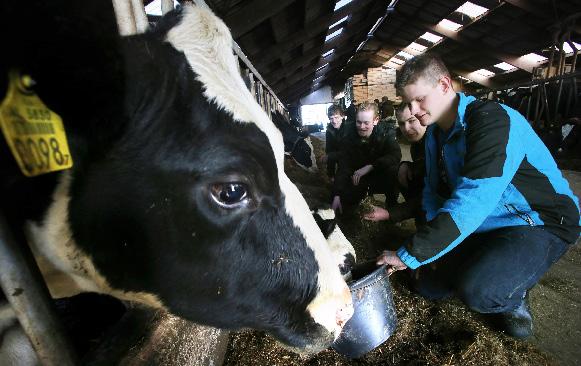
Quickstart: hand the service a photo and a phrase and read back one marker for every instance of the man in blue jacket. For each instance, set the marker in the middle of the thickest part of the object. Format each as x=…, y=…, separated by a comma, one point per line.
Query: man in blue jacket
x=499, y=211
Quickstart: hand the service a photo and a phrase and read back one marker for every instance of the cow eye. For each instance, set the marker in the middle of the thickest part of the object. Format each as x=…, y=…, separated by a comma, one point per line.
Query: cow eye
x=230, y=195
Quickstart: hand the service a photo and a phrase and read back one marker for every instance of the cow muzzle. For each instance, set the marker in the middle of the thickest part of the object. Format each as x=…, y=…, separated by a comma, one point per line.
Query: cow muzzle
x=332, y=309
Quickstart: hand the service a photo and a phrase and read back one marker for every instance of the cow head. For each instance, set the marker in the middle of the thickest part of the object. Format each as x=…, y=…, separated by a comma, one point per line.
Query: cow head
x=296, y=145
x=341, y=248
x=178, y=197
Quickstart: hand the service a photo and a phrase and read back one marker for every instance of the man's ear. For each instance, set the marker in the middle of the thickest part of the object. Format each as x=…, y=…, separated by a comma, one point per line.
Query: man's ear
x=376, y=120
x=445, y=83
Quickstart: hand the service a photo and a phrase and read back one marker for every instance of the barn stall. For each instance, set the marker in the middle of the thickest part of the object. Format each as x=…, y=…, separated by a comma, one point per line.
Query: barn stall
x=297, y=53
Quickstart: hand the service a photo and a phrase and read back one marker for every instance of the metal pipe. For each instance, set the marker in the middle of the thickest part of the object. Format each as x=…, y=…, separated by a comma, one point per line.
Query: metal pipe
x=550, y=64
x=530, y=101
x=139, y=16
x=24, y=288
x=532, y=82
x=546, y=104
x=559, y=100
x=562, y=58
x=124, y=16
x=537, y=103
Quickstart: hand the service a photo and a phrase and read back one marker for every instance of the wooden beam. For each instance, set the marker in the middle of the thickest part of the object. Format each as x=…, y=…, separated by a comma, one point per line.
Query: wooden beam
x=480, y=47
x=311, y=30
x=530, y=7
x=252, y=14
x=308, y=58
x=303, y=84
x=305, y=73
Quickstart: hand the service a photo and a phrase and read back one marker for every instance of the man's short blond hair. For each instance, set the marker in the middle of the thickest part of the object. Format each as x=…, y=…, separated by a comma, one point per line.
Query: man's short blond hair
x=368, y=106
x=427, y=66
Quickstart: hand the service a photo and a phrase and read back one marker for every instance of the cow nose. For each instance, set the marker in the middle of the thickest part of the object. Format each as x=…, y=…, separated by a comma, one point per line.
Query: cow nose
x=344, y=313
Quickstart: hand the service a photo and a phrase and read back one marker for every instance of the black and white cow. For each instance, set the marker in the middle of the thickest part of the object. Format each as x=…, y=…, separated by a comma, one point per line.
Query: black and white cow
x=341, y=248
x=177, y=197
x=296, y=145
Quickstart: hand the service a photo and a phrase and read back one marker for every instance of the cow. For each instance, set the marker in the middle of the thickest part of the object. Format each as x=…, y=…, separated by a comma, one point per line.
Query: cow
x=341, y=248
x=177, y=197
x=297, y=144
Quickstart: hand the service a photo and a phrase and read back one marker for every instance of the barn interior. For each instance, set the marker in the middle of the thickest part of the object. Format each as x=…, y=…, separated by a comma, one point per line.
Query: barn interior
x=300, y=56
x=307, y=54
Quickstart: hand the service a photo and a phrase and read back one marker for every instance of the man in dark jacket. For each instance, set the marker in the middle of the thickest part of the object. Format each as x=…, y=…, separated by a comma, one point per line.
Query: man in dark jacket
x=351, y=111
x=499, y=211
x=334, y=139
x=410, y=175
x=369, y=161
x=386, y=108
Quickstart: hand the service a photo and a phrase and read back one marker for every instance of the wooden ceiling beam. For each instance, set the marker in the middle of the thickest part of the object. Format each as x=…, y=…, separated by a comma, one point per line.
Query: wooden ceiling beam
x=305, y=73
x=311, y=30
x=531, y=7
x=307, y=58
x=480, y=47
x=252, y=14
x=304, y=84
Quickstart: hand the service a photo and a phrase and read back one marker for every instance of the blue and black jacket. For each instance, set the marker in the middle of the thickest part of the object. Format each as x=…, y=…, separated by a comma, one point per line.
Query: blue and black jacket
x=500, y=174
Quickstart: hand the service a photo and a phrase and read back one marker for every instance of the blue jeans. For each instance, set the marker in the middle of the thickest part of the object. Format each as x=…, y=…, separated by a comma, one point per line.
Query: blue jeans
x=491, y=272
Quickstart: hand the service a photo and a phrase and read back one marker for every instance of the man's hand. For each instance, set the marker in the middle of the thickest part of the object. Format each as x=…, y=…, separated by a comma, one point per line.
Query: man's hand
x=404, y=174
x=360, y=173
x=377, y=214
x=336, y=205
x=392, y=260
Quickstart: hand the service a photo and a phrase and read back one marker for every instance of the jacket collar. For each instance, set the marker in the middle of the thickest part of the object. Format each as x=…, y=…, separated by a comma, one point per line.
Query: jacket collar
x=460, y=123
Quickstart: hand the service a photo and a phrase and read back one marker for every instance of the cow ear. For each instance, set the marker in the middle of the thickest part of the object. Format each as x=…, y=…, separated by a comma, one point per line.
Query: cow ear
x=329, y=227
x=72, y=51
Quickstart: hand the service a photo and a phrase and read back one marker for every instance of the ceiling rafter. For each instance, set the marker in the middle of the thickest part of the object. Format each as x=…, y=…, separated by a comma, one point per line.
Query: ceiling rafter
x=311, y=30
x=251, y=15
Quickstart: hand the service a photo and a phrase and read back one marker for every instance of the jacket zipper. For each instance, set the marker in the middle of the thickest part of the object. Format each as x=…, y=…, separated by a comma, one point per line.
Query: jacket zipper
x=522, y=215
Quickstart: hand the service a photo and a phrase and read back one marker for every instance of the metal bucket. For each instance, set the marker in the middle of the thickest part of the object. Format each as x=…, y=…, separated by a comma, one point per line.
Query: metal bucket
x=374, y=319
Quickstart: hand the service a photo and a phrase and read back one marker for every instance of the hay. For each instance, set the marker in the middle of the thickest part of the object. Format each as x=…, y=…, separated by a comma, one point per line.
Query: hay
x=428, y=333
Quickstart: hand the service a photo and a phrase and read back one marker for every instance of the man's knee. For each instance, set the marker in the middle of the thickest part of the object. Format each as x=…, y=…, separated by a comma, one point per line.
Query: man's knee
x=485, y=298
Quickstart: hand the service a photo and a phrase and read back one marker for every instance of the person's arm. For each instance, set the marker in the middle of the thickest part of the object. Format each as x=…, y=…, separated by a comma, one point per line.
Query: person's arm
x=342, y=181
x=491, y=160
x=430, y=202
x=405, y=210
x=328, y=141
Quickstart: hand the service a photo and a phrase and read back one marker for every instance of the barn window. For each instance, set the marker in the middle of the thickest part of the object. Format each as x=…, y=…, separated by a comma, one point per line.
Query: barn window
x=334, y=34
x=416, y=47
x=338, y=22
x=485, y=73
x=340, y=4
x=431, y=37
x=322, y=67
x=505, y=66
x=568, y=48
x=328, y=53
x=404, y=54
x=472, y=10
x=450, y=25
x=533, y=57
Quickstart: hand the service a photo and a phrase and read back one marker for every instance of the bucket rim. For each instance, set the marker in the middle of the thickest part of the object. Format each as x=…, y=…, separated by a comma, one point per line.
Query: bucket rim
x=372, y=278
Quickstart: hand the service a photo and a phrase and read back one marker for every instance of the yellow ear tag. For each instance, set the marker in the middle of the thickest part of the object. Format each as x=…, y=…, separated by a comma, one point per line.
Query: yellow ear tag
x=34, y=133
